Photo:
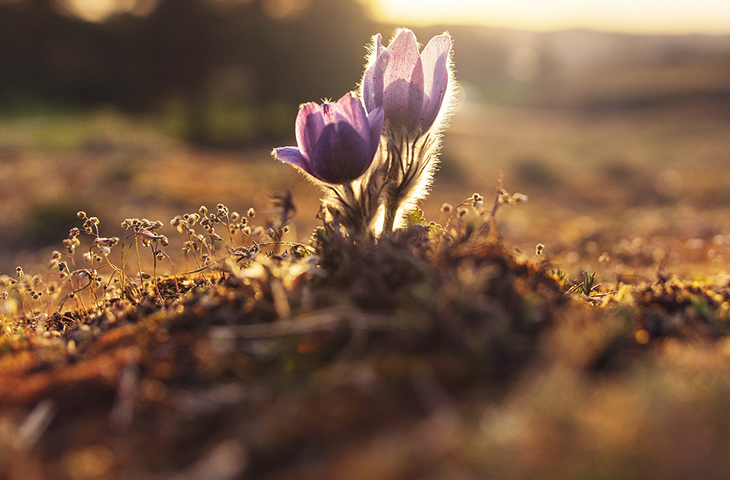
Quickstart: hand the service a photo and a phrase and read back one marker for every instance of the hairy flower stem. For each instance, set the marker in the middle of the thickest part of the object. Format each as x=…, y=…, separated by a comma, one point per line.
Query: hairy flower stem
x=354, y=205
x=408, y=169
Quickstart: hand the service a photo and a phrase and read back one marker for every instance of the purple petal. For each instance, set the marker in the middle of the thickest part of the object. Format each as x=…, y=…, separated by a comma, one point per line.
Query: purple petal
x=309, y=124
x=435, y=58
x=378, y=44
x=403, y=80
x=340, y=155
x=350, y=110
x=372, y=84
x=375, y=119
x=404, y=51
x=293, y=156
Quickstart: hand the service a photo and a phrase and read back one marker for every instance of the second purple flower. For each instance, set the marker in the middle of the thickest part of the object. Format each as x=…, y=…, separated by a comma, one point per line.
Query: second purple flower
x=336, y=142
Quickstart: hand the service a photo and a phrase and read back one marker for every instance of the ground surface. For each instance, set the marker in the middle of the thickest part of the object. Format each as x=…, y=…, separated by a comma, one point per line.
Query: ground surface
x=413, y=358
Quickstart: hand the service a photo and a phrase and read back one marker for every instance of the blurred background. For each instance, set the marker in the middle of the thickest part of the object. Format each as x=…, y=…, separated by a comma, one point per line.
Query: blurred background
x=613, y=117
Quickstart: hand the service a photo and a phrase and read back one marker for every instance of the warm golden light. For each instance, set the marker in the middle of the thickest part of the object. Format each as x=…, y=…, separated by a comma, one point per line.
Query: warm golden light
x=641, y=16
x=100, y=10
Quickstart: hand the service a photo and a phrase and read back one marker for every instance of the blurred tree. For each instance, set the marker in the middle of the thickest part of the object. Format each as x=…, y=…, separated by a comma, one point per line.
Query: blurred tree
x=178, y=52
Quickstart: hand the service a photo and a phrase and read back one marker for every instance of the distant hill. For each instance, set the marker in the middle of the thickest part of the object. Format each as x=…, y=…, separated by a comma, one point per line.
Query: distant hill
x=589, y=69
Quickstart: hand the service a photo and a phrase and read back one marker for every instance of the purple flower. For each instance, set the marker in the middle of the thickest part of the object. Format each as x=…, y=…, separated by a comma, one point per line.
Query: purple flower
x=410, y=86
x=336, y=141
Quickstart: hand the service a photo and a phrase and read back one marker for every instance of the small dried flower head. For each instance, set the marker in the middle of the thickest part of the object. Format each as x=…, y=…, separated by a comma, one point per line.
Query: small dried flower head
x=81, y=214
x=446, y=208
x=19, y=271
x=477, y=201
x=519, y=198
x=461, y=212
x=251, y=212
x=74, y=232
x=539, y=249
x=203, y=210
x=235, y=216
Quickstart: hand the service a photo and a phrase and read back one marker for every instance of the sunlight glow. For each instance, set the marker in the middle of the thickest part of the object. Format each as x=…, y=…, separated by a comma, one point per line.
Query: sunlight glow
x=100, y=10
x=639, y=16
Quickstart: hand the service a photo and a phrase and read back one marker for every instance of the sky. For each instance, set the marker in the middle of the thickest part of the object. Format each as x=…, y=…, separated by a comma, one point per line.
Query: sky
x=635, y=16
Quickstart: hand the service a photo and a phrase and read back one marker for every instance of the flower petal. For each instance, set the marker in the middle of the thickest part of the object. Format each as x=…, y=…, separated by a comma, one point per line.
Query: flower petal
x=375, y=119
x=293, y=156
x=435, y=58
x=372, y=84
x=350, y=110
x=378, y=40
x=403, y=81
x=340, y=155
x=309, y=124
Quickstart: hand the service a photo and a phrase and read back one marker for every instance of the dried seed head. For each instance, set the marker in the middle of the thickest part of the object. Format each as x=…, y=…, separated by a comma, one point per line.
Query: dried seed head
x=251, y=212
x=446, y=208
x=19, y=271
x=203, y=210
x=539, y=248
x=81, y=214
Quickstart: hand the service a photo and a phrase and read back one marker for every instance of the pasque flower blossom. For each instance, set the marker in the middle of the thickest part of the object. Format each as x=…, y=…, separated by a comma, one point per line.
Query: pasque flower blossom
x=375, y=156
x=409, y=86
x=415, y=90
x=336, y=142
